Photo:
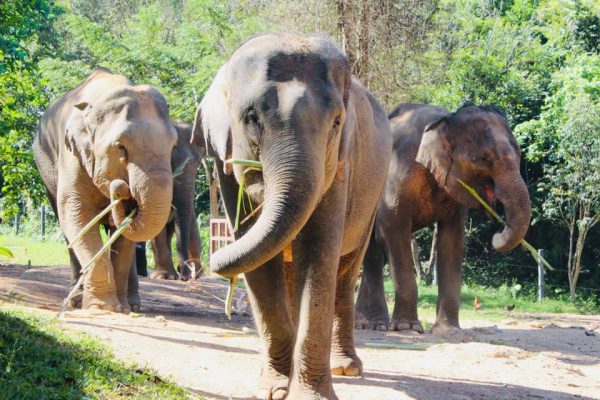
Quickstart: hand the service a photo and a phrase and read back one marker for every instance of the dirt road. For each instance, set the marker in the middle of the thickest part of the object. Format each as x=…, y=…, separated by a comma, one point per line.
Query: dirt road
x=185, y=335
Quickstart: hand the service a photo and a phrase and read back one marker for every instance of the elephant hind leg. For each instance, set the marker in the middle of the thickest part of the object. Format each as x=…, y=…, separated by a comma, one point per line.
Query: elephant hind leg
x=371, y=306
x=163, y=256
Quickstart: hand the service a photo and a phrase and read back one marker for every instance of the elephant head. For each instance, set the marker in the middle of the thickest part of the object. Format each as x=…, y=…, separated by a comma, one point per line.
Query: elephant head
x=123, y=138
x=281, y=101
x=476, y=145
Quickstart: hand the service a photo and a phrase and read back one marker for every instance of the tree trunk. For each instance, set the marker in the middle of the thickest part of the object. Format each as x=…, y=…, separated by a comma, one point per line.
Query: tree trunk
x=345, y=23
x=364, y=46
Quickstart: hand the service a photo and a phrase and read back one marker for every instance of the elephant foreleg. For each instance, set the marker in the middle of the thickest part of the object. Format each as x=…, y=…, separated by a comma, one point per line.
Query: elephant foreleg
x=316, y=252
x=121, y=256
x=450, y=248
x=344, y=360
x=195, y=247
x=99, y=289
x=133, y=289
x=267, y=294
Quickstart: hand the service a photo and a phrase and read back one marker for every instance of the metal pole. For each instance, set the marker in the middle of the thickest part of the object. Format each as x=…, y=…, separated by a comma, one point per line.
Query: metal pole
x=17, y=224
x=541, y=273
x=43, y=221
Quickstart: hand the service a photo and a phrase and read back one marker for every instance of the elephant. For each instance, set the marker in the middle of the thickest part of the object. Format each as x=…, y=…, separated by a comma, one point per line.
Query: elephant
x=291, y=103
x=107, y=139
x=432, y=150
x=182, y=221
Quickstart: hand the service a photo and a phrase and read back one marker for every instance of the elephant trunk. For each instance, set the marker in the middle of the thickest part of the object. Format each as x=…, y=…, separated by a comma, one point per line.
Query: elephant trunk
x=292, y=185
x=153, y=194
x=511, y=191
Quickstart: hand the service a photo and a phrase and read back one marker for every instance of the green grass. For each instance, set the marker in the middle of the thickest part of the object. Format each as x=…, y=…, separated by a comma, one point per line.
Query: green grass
x=493, y=303
x=47, y=252
x=39, y=359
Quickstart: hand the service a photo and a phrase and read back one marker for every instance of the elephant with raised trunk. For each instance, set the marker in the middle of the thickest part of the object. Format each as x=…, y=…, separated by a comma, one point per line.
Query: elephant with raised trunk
x=107, y=138
x=433, y=149
x=182, y=221
x=324, y=143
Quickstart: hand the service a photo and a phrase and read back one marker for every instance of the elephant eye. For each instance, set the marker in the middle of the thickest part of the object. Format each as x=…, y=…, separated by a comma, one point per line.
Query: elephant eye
x=121, y=147
x=252, y=123
x=337, y=121
x=251, y=117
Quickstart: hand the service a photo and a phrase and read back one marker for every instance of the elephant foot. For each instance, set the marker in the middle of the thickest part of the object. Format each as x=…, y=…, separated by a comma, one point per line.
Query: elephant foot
x=273, y=386
x=373, y=324
x=346, y=366
x=185, y=271
x=107, y=302
x=321, y=390
x=168, y=274
x=443, y=328
x=135, y=304
x=76, y=302
x=401, y=324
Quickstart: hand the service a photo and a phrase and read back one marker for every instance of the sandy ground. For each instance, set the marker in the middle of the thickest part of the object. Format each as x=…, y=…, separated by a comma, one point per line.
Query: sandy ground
x=184, y=335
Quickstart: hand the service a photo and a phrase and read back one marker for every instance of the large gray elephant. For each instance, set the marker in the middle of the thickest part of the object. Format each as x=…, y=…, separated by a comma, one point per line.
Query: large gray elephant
x=432, y=150
x=291, y=103
x=182, y=221
x=107, y=138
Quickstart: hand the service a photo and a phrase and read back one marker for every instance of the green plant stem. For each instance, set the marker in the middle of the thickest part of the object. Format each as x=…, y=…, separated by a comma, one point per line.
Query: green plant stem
x=536, y=255
x=247, y=163
x=85, y=270
x=94, y=221
x=229, y=300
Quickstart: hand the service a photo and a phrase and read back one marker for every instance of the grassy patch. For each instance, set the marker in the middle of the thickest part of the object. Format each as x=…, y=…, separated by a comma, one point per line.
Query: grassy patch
x=40, y=360
x=493, y=303
x=47, y=252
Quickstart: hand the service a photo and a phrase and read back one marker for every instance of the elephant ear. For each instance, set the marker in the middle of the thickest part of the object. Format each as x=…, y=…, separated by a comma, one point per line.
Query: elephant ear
x=435, y=151
x=79, y=135
x=212, y=120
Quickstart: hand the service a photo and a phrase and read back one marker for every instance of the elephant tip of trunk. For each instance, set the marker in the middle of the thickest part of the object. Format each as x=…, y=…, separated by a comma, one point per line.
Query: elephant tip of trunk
x=506, y=240
x=219, y=266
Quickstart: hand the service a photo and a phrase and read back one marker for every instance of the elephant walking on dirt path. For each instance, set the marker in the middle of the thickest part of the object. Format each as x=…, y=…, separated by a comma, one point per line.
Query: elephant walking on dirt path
x=105, y=139
x=433, y=149
x=291, y=103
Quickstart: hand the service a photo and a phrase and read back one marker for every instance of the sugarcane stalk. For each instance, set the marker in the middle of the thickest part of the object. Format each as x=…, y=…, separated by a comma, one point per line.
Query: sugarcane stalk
x=85, y=270
x=534, y=253
x=246, y=163
x=251, y=166
x=93, y=222
x=180, y=168
x=229, y=301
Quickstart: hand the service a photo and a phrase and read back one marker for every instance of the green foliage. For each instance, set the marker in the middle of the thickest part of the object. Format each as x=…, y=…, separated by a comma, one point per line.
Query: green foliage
x=40, y=360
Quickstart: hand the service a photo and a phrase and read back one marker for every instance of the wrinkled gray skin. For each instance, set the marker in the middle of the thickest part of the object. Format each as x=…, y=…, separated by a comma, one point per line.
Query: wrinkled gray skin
x=182, y=221
x=107, y=138
x=324, y=144
x=432, y=149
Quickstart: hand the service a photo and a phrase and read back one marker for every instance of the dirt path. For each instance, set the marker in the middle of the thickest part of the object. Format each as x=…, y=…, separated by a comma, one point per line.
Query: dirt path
x=185, y=335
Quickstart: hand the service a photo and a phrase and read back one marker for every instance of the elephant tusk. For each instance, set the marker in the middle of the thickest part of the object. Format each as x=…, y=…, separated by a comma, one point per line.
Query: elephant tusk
x=85, y=270
x=535, y=254
x=93, y=222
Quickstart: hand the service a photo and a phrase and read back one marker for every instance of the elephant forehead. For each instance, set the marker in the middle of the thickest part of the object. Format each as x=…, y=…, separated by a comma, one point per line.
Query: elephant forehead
x=288, y=95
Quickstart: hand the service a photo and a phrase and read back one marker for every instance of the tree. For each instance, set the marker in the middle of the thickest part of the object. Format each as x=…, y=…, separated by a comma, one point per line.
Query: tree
x=566, y=139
